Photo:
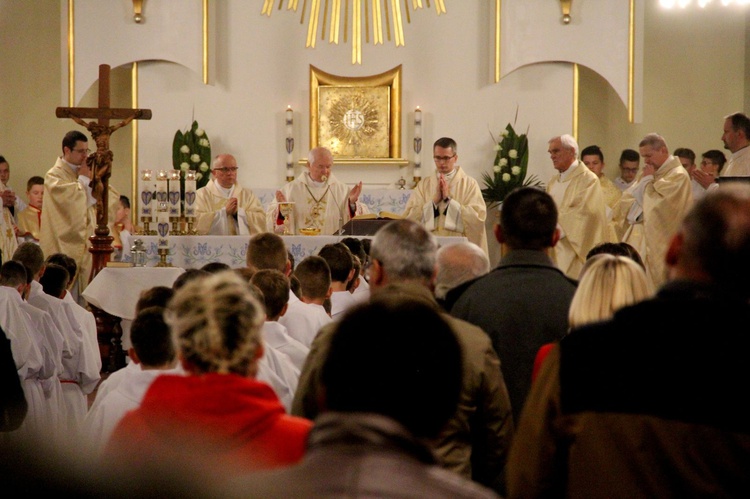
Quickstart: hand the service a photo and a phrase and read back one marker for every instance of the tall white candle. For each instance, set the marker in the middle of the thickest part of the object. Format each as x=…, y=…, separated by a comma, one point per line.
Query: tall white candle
x=289, y=142
x=162, y=188
x=418, y=123
x=162, y=225
x=147, y=196
x=190, y=187
x=175, y=208
x=417, y=142
x=289, y=120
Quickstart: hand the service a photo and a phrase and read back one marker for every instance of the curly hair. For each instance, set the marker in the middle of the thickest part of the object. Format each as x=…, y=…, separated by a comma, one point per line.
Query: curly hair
x=216, y=322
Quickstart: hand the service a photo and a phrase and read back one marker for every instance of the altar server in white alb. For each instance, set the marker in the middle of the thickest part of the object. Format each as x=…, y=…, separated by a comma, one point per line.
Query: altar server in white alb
x=81, y=372
x=153, y=353
x=320, y=200
x=33, y=366
x=225, y=208
x=14, y=284
x=449, y=203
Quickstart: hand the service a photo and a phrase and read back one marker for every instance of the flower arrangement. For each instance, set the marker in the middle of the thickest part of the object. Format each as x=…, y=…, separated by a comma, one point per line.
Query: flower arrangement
x=509, y=169
x=191, y=150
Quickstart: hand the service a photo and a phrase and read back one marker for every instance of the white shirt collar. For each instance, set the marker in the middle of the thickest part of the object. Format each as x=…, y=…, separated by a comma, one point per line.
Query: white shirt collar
x=564, y=175
x=71, y=165
x=226, y=192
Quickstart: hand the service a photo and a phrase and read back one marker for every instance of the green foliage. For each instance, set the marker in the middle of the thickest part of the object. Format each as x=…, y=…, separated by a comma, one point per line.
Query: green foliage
x=191, y=150
x=510, y=167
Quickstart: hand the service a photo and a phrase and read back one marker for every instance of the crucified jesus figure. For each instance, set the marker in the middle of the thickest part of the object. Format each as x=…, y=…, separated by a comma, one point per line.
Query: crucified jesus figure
x=100, y=161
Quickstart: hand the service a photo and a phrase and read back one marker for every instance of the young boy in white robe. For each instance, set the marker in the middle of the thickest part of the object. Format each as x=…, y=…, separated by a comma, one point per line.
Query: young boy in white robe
x=153, y=351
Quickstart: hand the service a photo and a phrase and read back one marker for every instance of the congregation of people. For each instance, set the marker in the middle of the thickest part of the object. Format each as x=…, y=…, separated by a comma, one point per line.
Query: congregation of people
x=600, y=357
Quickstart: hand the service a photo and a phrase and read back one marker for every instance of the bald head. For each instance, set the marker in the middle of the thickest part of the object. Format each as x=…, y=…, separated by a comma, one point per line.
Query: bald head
x=458, y=263
x=224, y=170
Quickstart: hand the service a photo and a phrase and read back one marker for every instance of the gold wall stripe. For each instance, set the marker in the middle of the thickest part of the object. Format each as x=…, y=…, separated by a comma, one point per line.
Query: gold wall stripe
x=333, y=36
x=498, y=16
x=377, y=23
x=325, y=21
x=134, y=147
x=267, y=6
x=312, y=25
x=575, y=101
x=71, y=55
x=398, y=26
x=205, y=42
x=367, y=22
x=387, y=20
x=357, y=32
x=631, y=63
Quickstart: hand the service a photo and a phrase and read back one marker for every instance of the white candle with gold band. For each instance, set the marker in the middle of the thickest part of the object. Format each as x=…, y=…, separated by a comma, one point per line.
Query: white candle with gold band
x=146, y=200
x=190, y=188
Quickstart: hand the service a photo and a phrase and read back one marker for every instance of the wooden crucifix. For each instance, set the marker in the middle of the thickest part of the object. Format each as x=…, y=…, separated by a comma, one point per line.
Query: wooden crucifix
x=100, y=161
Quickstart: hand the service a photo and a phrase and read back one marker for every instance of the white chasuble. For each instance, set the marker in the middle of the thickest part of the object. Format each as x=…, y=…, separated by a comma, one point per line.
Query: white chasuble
x=463, y=215
x=212, y=218
x=67, y=219
x=581, y=215
x=323, y=206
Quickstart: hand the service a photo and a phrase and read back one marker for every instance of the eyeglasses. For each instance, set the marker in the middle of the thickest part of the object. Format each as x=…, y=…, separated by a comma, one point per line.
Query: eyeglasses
x=227, y=169
x=82, y=151
x=443, y=159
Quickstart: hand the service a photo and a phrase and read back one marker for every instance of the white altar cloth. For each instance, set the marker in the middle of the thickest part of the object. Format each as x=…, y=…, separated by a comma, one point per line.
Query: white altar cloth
x=116, y=290
x=196, y=251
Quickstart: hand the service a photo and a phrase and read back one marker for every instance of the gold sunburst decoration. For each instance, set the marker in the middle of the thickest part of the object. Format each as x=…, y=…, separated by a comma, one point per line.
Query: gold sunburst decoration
x=354, y=118
x=361, y=12
x=356, y=122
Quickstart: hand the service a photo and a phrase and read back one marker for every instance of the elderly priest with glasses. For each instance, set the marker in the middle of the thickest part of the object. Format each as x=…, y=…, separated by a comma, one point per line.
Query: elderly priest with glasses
x=223, y=207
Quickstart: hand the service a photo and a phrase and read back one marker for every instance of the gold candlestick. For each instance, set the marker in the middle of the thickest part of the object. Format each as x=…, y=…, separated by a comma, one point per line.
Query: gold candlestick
x=190, y=230
x=163, y=252
x=146, y=221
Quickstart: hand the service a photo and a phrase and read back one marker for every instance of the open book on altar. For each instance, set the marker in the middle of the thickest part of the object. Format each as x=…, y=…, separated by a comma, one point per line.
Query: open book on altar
x=383, y=215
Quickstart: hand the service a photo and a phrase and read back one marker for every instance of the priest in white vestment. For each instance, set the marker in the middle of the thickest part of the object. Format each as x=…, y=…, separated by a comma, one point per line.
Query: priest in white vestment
x=223, y=207
x=651, y=211
x=736, y=138
x=449, y=203
x=68, y=218
x=320, y=200
x=582, y=213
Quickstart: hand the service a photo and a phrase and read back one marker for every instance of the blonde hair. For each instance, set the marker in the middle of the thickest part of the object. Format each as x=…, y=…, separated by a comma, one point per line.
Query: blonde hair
x=607, y=284
x=216, y=323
